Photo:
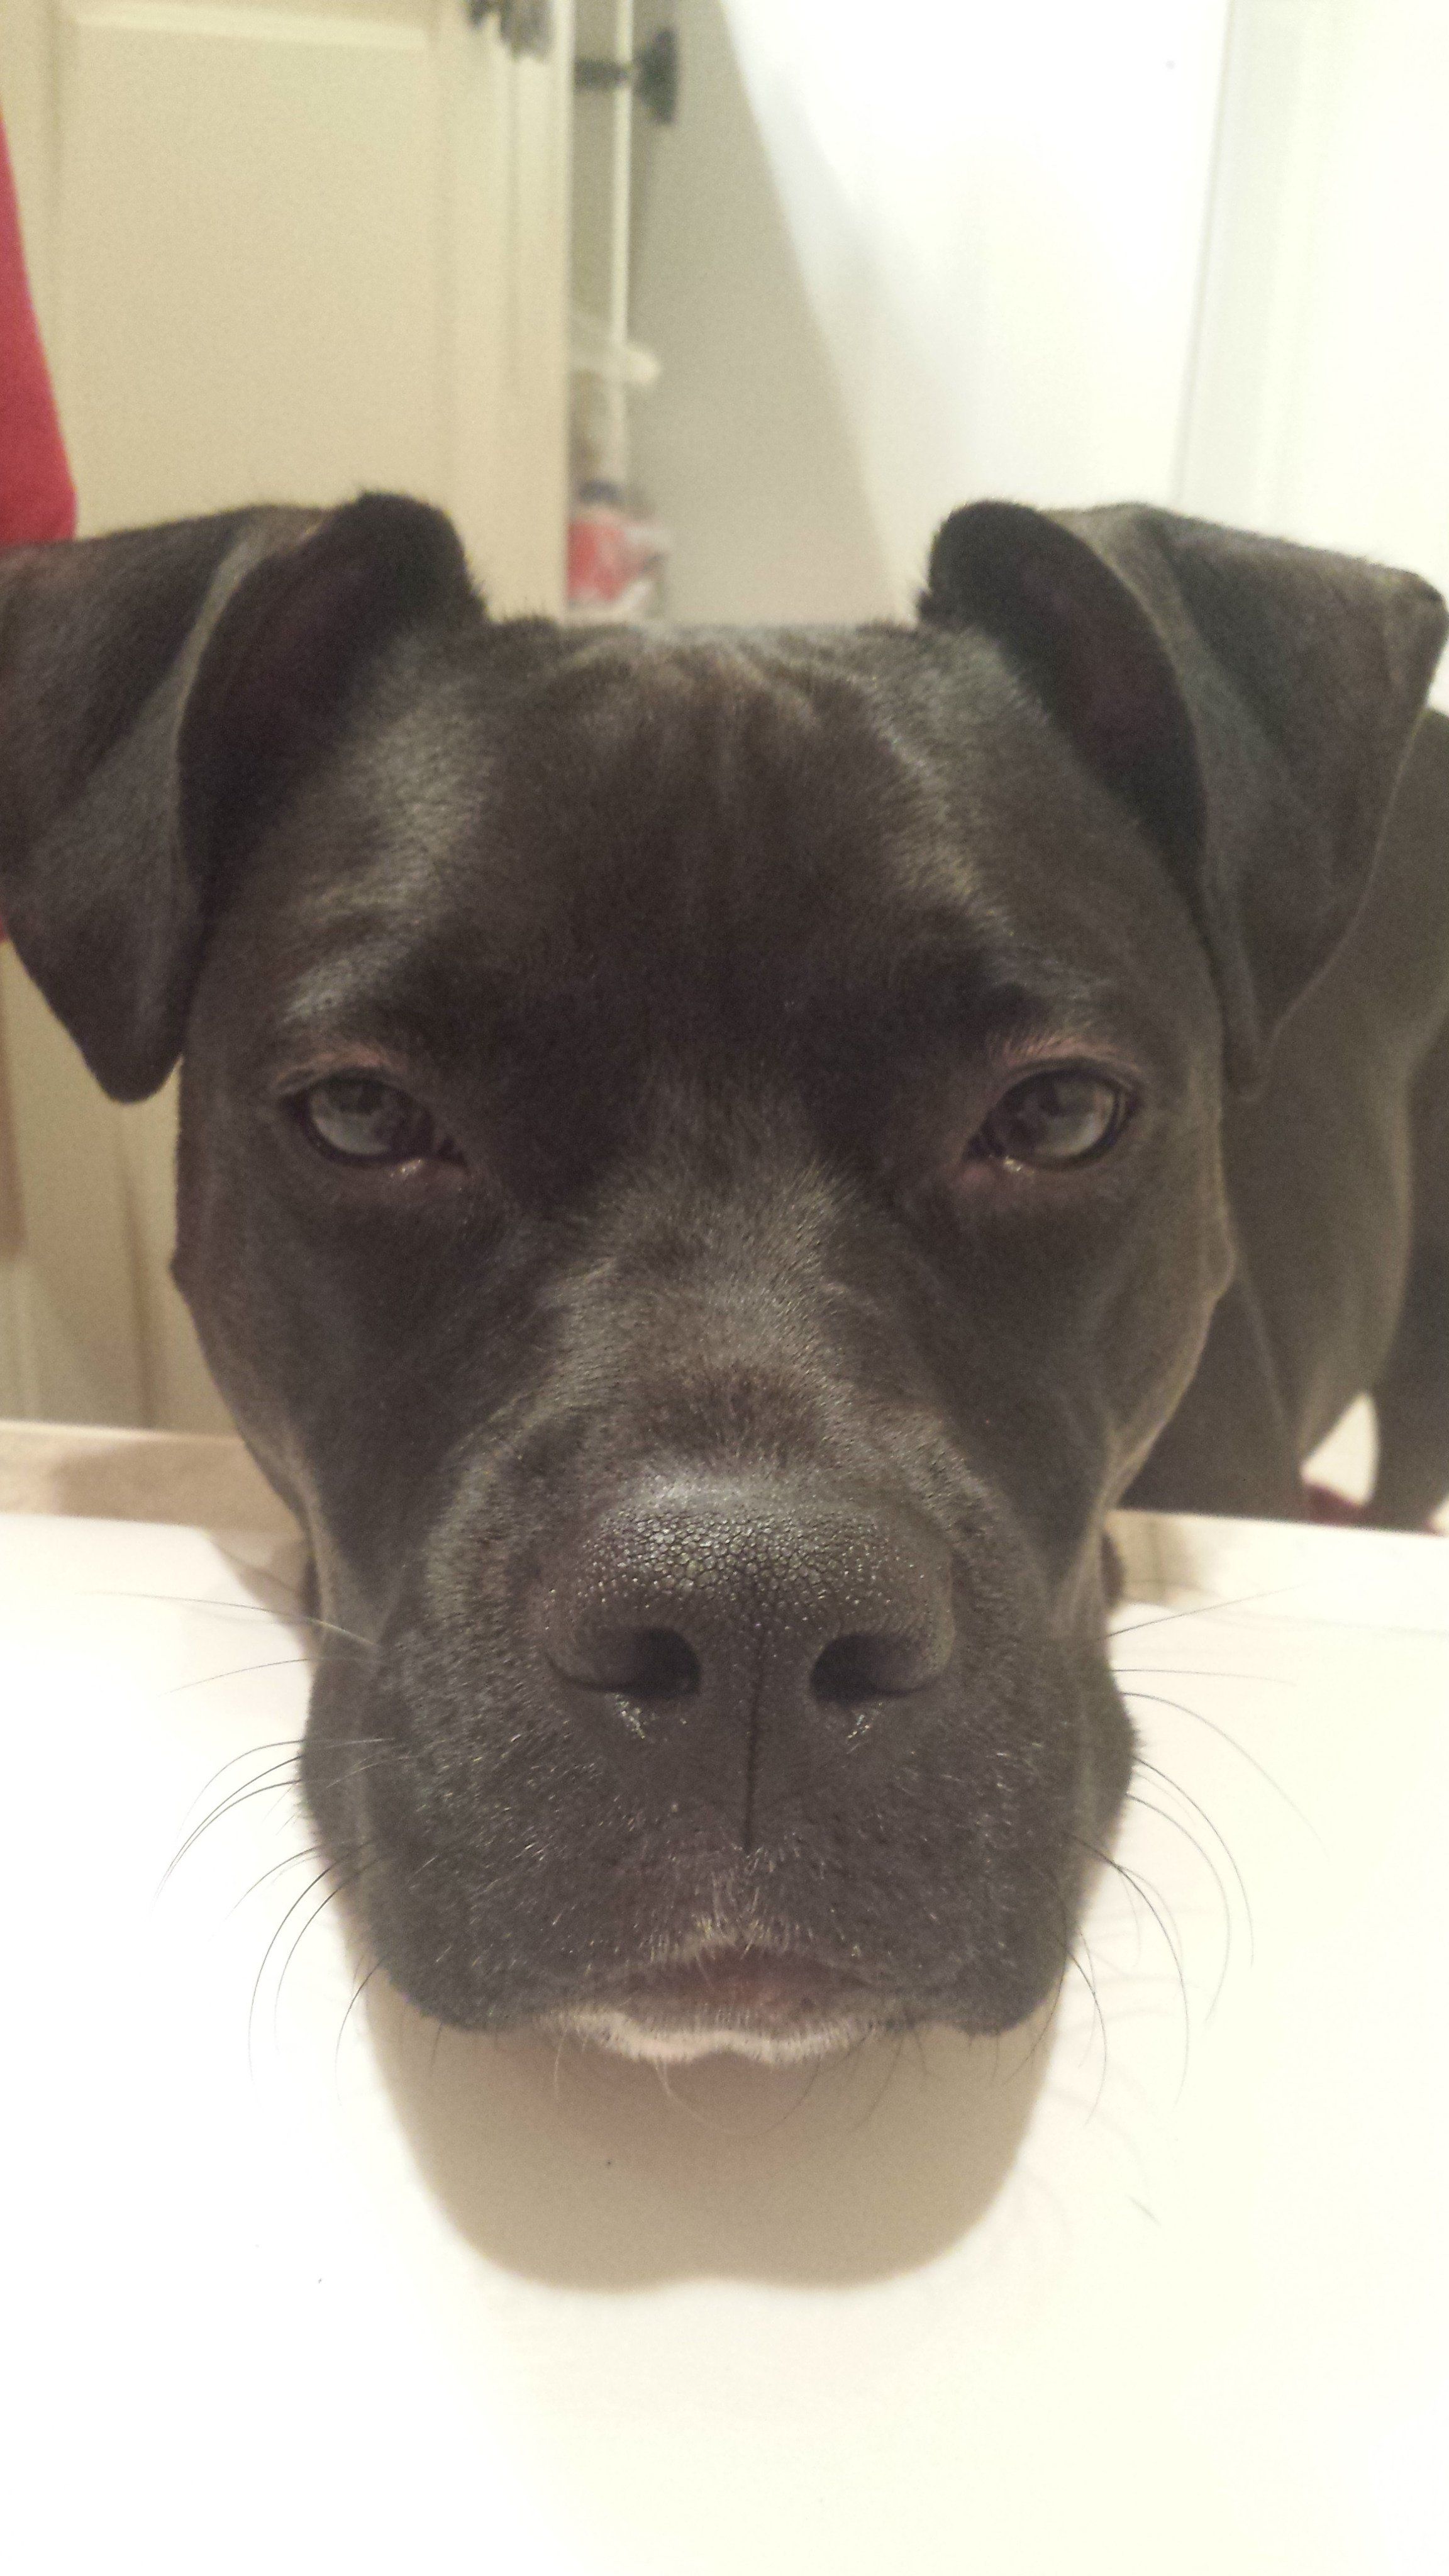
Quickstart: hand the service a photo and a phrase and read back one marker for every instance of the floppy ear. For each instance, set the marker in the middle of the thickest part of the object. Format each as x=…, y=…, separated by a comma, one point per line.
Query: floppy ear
x=158, y=692
x=1252, y=701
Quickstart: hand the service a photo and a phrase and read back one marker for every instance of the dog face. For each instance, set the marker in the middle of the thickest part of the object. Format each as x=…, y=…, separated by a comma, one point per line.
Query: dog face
x=710, y=1424
x=699, y=1178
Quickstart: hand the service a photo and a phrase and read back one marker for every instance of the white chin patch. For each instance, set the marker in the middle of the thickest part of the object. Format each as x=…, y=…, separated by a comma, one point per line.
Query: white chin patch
x=678, y=2043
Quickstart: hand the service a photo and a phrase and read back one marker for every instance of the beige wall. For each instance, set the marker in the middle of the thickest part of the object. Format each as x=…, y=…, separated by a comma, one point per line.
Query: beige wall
x=12, y=1379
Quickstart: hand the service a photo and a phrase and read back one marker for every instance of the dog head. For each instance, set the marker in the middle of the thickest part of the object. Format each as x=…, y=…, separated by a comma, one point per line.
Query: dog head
x=699, y=1178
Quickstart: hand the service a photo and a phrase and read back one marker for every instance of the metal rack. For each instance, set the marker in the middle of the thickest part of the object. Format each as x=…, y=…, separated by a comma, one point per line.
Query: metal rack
x=615, y=548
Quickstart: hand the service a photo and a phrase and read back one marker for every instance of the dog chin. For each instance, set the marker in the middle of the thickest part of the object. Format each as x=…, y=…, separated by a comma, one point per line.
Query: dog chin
x=680, y=2043
x=713, y=1996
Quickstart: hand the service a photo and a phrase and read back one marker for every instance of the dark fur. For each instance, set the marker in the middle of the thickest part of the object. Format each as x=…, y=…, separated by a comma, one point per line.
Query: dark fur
x=707, y=949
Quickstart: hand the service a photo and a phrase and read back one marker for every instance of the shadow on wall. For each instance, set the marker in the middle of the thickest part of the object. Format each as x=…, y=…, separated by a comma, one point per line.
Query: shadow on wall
x=746, y=448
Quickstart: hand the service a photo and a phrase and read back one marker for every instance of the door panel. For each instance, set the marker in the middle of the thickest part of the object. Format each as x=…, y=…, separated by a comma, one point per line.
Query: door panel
x=250, y=278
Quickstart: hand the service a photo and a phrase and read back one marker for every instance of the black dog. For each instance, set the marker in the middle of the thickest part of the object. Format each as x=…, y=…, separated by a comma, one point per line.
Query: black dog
x=705, y=1172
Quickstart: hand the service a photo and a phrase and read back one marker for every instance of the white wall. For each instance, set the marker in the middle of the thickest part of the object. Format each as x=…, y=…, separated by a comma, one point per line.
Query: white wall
x=895, y=260
x=1066, y=250
x=747, y=447
x=1321, y=408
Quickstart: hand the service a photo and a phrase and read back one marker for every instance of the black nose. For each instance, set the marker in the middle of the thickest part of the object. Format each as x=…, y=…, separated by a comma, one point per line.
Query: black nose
x=756, y=1608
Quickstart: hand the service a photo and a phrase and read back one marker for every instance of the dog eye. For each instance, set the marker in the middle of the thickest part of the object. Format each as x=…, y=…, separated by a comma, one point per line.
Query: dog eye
x=354, y=1118
x=1054, y=1120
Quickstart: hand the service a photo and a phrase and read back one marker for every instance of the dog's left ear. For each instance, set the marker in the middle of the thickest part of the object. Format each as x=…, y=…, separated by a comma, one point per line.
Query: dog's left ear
x=1251, y=701
x=160, y=691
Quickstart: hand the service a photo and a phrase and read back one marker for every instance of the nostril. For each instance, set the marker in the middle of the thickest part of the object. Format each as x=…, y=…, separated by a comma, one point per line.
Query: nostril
x=665, y=1665
x=749, y=1601
x=867, y=1667
x=646, y=1663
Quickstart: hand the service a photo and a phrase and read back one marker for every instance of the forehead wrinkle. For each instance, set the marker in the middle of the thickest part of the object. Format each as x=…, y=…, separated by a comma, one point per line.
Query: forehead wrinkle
x=676, y=823
x=951, y=970
x=696, y=800
x=366, y=997
x=678, y=707
x=965, y=998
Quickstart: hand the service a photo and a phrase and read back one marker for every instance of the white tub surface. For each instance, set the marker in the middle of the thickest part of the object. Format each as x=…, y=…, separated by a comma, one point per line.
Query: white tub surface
x=297, y=2288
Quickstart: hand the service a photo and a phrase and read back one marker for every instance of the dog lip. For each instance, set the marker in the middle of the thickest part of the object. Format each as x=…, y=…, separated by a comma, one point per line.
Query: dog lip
x=766, y=1985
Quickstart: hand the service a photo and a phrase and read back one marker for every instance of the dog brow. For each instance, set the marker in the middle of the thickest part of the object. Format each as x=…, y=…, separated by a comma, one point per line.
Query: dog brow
x=961, y=988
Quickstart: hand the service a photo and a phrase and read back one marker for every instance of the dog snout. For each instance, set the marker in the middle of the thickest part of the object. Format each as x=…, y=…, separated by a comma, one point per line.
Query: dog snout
x=742, y=1598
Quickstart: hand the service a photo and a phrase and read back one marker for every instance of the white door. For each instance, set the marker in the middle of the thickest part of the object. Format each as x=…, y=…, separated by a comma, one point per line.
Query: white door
x=280, y=251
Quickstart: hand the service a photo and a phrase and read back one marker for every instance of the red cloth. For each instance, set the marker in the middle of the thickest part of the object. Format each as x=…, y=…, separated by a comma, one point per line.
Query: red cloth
x=37, y=497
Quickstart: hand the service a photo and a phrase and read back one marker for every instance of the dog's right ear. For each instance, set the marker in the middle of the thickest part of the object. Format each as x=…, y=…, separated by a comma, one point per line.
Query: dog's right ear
x=1250, y=700
x=158, y=691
